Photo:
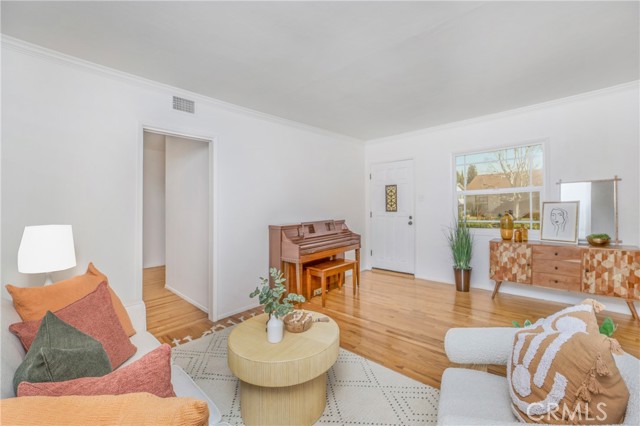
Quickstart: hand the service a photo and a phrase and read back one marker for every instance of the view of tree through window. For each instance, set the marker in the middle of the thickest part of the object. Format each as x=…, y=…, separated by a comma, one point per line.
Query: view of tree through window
x=490, y=183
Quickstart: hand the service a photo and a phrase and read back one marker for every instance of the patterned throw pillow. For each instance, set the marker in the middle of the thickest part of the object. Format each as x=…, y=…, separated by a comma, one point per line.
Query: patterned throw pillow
x=562, y=371
x=94, y=315
x=151, y=373
x=60, y=352
x=33, y=302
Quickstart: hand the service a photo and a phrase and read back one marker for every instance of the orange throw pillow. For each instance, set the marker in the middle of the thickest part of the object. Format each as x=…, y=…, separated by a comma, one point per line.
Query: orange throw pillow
x=151, y=373
x=133, y=409
x=562, y=371
x=32, y=303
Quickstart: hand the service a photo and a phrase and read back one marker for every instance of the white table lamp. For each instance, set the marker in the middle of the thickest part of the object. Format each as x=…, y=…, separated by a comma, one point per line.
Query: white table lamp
x=45, y=249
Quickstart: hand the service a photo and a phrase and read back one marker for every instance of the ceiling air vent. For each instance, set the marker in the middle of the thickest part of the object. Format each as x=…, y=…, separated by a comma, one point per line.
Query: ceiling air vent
x=182, y=104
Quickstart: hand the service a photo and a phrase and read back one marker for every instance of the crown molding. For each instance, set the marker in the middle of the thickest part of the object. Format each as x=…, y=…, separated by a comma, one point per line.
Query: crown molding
x=509, y=113
x=50, y=55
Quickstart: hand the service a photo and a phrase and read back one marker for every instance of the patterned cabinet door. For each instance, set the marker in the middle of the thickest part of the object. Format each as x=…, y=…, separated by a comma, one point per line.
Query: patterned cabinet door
x=510, y=262
x=611, y=273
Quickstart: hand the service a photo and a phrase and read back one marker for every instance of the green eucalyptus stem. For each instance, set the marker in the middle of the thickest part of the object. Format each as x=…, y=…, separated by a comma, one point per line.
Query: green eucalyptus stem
x=272, y=297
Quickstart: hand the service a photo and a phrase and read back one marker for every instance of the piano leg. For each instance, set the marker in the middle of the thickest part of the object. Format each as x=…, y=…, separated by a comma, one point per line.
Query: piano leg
x=353, y=277
x=299, y=278
x=356, y=275
x=287, y=269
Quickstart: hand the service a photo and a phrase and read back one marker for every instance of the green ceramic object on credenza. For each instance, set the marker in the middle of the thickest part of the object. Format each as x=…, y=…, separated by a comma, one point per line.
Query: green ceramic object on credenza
x=506, y=226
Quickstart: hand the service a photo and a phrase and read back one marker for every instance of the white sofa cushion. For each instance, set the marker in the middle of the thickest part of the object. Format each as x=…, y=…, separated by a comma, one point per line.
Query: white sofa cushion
x=474, y=397
x=183, y=385
x=145, y=342
x=11, y=351
x=629, y=367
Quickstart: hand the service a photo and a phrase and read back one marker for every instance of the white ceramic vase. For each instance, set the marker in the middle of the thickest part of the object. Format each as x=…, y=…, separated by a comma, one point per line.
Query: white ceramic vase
x=275, y=329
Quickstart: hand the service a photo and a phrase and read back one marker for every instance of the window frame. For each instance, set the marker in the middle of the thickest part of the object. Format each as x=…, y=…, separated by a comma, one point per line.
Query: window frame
x=541, y=189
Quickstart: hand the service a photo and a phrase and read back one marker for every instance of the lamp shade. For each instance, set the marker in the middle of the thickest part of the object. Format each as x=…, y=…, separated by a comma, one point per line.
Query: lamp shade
x=46, y=248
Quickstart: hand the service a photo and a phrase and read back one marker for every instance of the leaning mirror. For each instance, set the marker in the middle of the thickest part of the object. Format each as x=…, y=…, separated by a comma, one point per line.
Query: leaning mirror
x=598, y=206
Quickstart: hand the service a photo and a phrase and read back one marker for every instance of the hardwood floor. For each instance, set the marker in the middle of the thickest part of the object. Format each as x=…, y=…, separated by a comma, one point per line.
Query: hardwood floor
x=401, y=322
x=173, y=320
x=394, y=320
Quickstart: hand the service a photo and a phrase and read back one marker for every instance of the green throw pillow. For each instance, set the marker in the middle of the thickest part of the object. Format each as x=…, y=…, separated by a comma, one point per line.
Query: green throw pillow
x=61, y=352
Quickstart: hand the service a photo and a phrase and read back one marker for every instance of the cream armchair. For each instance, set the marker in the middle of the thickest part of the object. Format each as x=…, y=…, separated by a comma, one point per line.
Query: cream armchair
x=471, y=397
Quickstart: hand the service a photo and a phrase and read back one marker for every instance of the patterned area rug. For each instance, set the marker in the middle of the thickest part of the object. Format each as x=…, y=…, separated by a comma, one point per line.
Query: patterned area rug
x=359, y=392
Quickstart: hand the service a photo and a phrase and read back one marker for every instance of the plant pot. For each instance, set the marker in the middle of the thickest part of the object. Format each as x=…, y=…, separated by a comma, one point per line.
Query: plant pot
x=463, y=279
x=275, y=329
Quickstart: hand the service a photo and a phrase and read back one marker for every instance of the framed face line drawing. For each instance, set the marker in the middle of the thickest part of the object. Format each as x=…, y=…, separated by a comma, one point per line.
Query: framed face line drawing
x=560, y=221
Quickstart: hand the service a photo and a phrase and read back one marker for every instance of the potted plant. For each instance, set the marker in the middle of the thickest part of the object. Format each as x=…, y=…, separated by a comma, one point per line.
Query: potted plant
x=461, y=244
x=275, y=303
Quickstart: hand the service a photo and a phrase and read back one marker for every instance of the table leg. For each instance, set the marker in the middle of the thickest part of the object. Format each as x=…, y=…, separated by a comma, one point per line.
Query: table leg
x=308, y=285
x=301, y=404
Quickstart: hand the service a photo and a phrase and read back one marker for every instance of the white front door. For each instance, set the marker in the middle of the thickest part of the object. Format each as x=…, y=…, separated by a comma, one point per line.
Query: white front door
x=392, y=216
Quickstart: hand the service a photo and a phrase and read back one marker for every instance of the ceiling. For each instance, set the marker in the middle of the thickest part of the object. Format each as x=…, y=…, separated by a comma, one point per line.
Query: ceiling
x=362, y=69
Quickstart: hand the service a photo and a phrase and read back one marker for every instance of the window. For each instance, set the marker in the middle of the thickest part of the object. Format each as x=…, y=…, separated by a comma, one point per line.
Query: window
x=492, y=182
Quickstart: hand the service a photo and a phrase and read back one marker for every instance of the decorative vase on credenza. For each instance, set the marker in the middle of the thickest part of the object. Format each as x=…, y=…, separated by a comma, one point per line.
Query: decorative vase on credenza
x=506, y=226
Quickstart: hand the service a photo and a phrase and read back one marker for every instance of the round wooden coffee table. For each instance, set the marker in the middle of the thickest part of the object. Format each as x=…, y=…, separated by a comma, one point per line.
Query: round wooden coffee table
x=282, y=383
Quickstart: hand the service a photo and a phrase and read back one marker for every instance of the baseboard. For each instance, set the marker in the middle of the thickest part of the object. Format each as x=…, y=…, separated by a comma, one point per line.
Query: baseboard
x=187, y=298
x=236, y=311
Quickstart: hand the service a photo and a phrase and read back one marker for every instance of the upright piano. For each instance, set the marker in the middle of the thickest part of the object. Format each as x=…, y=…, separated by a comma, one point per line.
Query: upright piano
x=293, y=246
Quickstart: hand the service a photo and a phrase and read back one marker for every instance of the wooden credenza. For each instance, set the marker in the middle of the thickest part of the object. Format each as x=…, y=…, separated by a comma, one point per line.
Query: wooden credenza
x=608, y=271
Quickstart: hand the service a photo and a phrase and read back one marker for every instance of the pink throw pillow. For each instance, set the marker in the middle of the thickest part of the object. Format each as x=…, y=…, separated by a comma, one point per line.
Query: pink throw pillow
x=93, y=315
x=151, y=373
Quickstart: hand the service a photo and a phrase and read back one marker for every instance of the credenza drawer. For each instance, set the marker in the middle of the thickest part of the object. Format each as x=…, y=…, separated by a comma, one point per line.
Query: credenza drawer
x=560, y=282
x=556, y=253
x=562, y=267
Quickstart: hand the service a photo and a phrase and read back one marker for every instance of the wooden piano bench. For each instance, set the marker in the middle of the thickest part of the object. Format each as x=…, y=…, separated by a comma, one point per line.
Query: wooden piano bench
x=328, y=269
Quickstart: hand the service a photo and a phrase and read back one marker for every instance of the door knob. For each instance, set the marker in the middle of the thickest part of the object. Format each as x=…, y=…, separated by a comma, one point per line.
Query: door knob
x=410, y=223
x=410, y=217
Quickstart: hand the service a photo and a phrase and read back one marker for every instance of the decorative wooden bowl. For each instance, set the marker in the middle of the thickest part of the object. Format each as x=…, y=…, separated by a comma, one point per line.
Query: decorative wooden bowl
x=598, y=242
x=298, y=321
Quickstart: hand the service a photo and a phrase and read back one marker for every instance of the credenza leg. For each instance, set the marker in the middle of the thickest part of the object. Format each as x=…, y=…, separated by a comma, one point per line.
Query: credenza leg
x=496, y=289
x=632, y=308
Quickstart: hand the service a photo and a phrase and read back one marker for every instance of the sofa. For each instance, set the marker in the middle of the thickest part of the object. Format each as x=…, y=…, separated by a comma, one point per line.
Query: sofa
x=472, y=397
x=12, y=353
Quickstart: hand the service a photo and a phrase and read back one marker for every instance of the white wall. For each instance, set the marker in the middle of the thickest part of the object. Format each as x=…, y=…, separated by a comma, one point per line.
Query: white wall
x=72, y=151
x=591, y=136
x=153, y=245
x=187, y=219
